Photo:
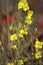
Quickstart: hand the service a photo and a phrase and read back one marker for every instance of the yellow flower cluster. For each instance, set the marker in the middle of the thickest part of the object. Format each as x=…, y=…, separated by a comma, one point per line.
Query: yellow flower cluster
x=14, y=47
x=28, y=18
x=13, y=37
x=20, y=62
x=23, y=5
x=22, y=32
x=38, y=44
x=38, y=55
x=10, y=64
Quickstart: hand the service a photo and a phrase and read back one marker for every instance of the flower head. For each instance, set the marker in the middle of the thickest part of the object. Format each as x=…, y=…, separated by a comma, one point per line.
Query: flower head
x=14, y=46
x=38, y=44
x=38, y=55
x=23, y=5
x=13, y=37
x=20, y=5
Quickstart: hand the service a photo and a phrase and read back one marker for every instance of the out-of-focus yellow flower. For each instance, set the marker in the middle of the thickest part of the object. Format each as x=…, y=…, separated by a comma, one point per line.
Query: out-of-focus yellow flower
x=10, y=64
x=13, y=37
x=25, y=7
x=29, y=14
x=21, y=35
x=14, y=47
x=20, y=62
x=38, y=44
x=11, y=27
x=38, y=55
x=28, y=18
x=0, y=43
x=28, y=21
x=25, y=31
x=20, y=5
x=21, y=31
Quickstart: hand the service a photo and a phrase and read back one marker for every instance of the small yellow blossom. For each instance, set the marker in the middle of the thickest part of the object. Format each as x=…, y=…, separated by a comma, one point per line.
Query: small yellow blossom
x=20, y=62
x=25, y=31
x=14, y=47
x=38, y=55
x=29, y=14
x=21, y=31
x=28, y=18
x=38, y=44
x=28, y=21
x=13, y=37
x=21, y=35
x=10, y=64
x=25, y=7
x=20, y=5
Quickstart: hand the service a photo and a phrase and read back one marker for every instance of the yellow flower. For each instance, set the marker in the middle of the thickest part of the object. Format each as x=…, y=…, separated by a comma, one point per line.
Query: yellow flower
x=13, y=37
x=38, y=44
x=38, y=55
x=21, y=35
x=20, y=62
x=23, y=4
x=14, y=47
x=29, y=14
x=25, y=7
x=28, y=18
x=20, y=5
x=28, y=21
x=25, y=31
x=21, y=31
x=10, y=63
